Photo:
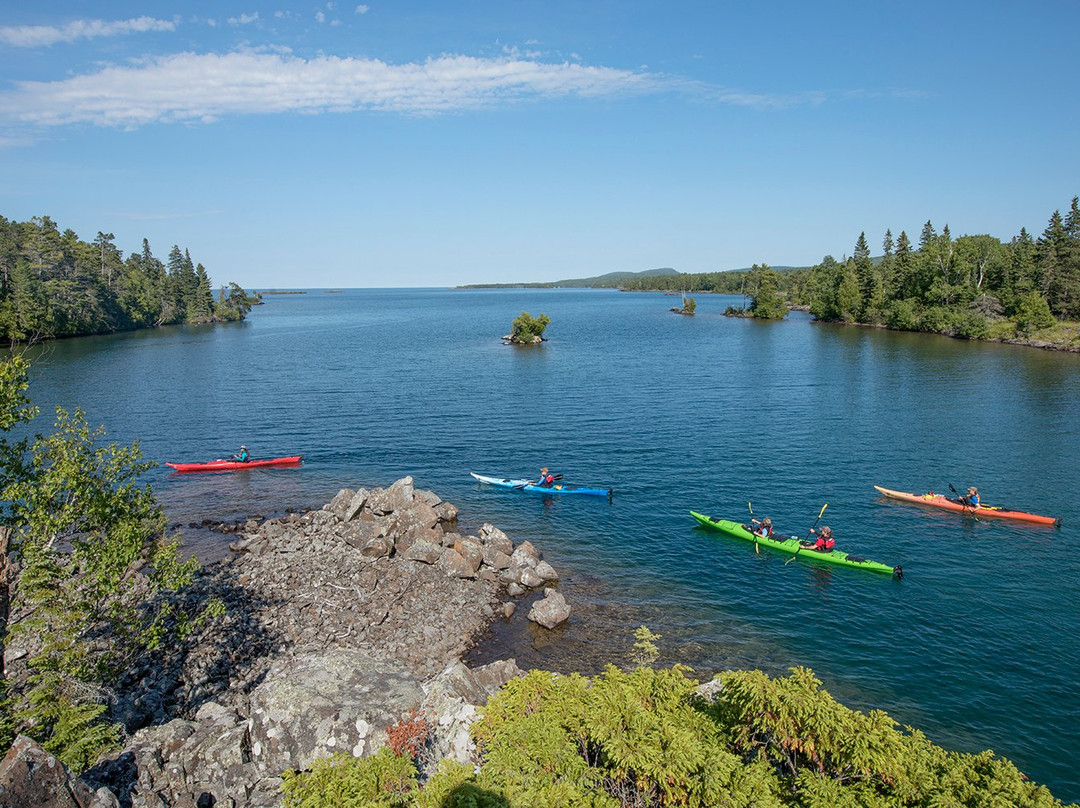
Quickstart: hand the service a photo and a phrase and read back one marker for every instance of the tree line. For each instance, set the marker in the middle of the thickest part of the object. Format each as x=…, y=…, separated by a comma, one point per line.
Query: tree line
x=53, y=284
x=973, y=286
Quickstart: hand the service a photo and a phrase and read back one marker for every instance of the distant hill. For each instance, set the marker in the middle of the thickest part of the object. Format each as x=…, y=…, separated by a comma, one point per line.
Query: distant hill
x=615, y=278
x=608, y=280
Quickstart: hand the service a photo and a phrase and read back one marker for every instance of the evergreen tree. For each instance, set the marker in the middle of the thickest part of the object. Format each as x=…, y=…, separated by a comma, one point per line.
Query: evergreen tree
x=902, y=285
x=1053, y=253
x=766, y=302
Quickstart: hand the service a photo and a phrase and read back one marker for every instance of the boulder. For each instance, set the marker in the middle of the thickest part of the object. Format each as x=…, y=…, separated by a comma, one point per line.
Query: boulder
x=31, y=776
x=525, y=555
x=455, y=564
x=491, y=536
x=550, y=610
x=312, y=707
x=451, y=705
x=355, y=506
x=529, y=578
x=546, y=572
x=424, y=551
x=340, y=502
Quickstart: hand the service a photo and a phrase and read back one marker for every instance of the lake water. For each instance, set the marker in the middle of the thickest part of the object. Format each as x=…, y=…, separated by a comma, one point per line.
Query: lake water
x=978, y=646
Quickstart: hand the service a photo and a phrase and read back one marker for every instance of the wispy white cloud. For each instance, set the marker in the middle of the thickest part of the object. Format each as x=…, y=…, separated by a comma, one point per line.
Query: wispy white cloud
x=363, y=9
x=35, y=36
x=189, y=87
x=244, y=19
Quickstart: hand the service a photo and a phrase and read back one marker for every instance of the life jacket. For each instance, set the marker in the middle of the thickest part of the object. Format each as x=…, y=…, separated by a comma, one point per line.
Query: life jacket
x=548, y=480
x=826, y=544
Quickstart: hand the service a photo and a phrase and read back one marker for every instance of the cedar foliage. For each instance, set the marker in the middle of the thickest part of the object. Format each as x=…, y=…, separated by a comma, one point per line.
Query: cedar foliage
x=647, y=737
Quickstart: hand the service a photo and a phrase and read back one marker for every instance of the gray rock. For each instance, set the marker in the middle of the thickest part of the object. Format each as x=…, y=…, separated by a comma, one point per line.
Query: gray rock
x=424, y=551
x=525, y=555
x=31, y=776
x=455, y=564
x=550, y=610
x=530, y=578
x=340, y=503
x=491, y=536
x=471, y=551
x=313, y=707
x=355, y=506
x=546, y=572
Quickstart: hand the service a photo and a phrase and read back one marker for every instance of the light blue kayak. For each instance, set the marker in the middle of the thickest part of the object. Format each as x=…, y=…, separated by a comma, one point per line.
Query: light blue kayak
x=554, y=488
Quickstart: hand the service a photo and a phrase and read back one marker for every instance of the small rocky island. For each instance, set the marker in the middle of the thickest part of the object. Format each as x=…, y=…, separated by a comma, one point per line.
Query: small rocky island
x=527, y=330
x=339, y=623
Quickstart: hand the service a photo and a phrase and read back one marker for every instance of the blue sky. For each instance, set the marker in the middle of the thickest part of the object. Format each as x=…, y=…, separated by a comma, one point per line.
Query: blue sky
x=408, y=143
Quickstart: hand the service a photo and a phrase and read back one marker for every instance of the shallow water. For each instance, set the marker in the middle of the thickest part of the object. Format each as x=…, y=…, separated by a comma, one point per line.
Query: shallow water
x=977, y=646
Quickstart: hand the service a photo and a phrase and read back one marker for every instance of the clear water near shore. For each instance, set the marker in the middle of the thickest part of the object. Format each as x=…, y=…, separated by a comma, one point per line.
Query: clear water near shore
x=979, y=644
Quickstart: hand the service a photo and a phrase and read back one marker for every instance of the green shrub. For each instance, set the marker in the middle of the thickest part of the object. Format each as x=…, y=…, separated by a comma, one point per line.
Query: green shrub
x=900, y=315
x=1033, y=314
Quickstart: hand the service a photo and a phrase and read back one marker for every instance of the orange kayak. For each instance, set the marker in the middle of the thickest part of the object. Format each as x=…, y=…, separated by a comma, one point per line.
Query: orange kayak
x=980, y=512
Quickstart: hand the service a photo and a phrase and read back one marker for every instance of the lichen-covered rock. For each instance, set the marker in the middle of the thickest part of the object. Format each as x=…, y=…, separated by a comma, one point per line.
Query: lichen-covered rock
x=316, y=706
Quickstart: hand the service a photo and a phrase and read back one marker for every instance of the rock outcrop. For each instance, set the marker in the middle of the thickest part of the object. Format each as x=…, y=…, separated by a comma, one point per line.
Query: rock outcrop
x=338, y=624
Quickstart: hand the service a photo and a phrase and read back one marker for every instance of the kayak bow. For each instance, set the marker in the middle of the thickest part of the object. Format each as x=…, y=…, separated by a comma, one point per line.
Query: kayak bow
x=235, y=465
x=982, y=511
x=792, y=547
x=530, y=485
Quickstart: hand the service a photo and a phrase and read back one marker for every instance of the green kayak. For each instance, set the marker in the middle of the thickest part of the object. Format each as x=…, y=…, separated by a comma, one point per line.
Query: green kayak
x=792, y=547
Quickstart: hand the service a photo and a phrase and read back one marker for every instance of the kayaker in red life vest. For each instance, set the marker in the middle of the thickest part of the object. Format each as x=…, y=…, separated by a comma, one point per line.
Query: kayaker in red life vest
x=762, y=528
x=546, y=478
x=825, y=542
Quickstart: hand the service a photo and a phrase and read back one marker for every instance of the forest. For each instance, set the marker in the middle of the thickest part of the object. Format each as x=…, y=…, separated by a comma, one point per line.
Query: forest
x=972, y=286
x=53, y=284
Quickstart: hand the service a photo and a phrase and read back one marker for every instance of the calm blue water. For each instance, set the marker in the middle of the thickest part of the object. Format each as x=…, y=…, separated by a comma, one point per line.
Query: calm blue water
x=978, y=646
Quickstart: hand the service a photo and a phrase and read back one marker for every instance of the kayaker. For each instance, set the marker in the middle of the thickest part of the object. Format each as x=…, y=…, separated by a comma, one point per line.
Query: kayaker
x=243, y=456
x=972, y=497
x=824, y=542
x=762, y=528
x=546, y=478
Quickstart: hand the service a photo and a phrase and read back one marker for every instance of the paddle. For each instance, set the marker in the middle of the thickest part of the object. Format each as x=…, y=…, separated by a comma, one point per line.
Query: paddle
x=757, y=549
x=534, y=482
x=823, y=507
x=963, y=501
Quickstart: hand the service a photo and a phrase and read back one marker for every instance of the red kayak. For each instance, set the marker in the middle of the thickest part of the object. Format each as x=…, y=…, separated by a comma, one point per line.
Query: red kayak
x=980, y=512
x=234, y=465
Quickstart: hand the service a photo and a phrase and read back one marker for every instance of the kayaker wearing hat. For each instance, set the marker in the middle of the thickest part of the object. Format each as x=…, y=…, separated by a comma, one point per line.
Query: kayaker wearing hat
x=546, y=478
x=824, y=543
x=243, y=456
x=972, y=497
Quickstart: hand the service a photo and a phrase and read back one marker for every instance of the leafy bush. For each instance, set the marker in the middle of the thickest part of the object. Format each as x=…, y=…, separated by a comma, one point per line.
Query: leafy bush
x=900, y=315
x=1033, y=314
x=972, y=325
x=96, y=573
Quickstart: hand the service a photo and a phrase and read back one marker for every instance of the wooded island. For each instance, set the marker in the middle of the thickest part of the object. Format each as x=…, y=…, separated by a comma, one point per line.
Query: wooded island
x=53, y=284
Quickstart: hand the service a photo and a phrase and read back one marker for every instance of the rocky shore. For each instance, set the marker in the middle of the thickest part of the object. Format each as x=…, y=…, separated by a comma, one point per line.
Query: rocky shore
x=338, y=624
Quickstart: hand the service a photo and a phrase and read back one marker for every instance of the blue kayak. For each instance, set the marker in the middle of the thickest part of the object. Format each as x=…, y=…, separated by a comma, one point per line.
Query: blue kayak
x=530, y=485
